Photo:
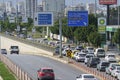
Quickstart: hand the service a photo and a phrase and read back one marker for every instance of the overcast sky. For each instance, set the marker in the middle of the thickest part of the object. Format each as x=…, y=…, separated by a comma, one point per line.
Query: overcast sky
x=68, y=2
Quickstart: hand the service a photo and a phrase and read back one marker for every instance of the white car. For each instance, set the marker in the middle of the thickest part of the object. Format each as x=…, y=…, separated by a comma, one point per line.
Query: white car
x=90, y=49
x=80, y=57
x=109, y=69
x=109, y=56
x=115, y=71
x=99, y=52
x=87, y=57
x=86, y=77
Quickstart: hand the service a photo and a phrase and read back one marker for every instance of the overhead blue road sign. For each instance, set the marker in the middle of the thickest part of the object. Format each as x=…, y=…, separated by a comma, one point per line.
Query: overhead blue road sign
x=43, y=19
x=77, y=18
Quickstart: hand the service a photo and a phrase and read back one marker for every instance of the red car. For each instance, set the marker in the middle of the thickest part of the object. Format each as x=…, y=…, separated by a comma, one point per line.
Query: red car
x=45, y=74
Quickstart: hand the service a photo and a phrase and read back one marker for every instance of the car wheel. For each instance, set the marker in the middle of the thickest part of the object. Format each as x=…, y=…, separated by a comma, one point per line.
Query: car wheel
x=97, y=69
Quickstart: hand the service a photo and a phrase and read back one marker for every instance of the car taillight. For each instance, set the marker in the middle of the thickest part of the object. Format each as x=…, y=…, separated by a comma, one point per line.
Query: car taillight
x=42, y=74
x=52, y=74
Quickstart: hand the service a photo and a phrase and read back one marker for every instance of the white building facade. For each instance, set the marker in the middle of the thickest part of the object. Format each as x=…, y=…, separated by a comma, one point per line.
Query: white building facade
x=31, y=8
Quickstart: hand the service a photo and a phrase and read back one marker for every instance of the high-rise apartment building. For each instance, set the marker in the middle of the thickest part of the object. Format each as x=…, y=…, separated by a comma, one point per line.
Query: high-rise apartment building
x=9, y=6
x=31, y=8
x=91, y=8
x=21, y=7
x=56, y=6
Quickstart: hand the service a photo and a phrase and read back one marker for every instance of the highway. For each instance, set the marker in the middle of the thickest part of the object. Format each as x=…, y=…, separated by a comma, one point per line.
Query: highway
x=31, y=63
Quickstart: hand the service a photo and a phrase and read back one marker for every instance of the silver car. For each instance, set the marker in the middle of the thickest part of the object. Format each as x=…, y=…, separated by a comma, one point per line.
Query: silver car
x=109, y=69
x=116, y=70
x=87, y=57
x=102, y=65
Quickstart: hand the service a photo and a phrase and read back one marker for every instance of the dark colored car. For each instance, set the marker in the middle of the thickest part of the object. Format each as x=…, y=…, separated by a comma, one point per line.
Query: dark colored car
x=93, y=61
x=14, y=49
x=45, y=74
x=3, y=51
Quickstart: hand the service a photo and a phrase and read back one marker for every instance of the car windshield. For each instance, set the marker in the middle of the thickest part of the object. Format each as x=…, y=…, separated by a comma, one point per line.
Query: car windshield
x=95, y=59
x=82, y=55
x=47, y=70
x=88, y=56
x=14, y=47
x=90, y=48
x=3, y=49
x=118, y=68
x=101, y=51
x=111, y=55
x=88, y=76
x=105, y=64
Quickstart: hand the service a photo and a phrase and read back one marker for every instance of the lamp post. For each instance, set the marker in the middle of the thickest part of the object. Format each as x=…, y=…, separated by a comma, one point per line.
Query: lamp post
x=95, y=8
x=118, y=23
x=60, y=32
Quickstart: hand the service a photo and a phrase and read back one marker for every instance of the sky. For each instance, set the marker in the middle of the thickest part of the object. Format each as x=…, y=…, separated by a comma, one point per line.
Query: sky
x=68, y=2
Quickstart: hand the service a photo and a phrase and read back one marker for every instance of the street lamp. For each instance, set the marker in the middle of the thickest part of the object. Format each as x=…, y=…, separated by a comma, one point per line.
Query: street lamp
x=95, y=8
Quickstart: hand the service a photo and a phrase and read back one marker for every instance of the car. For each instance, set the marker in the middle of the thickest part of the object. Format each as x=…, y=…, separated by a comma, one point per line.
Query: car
x=90, y=49
x=86, y=77
x=80, y=57
x=80, y=47
x=3, y=51
x=73, y=52
x=87, y=57
x=99, y=52
x=109, y=56
x=112, y=60
x=109, y=69
x=45, y=74
x=14, y=49
x=64, y=52
x=102, y=65
x=93, y=61
x=116, y=70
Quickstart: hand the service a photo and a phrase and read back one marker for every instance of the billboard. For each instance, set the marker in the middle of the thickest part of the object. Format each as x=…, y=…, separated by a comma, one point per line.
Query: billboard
x=43, y=19
x=102, y=25
x=77, y=18
x=107, y=2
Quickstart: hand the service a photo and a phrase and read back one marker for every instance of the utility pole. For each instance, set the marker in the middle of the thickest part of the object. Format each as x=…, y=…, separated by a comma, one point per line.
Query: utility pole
x=95, y=8
x=60, y=32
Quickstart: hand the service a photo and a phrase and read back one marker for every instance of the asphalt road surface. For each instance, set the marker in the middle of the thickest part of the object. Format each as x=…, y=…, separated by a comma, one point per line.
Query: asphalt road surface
x=31, y=64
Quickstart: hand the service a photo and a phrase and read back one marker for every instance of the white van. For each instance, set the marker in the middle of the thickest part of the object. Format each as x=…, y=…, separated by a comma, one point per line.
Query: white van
x=99, y=52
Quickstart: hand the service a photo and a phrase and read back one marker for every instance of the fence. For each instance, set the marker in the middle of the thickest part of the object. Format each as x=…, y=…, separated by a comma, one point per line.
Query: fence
x=20, y=74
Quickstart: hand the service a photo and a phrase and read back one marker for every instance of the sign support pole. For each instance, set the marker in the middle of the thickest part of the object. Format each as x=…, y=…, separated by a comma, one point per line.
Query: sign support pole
x=60, y=32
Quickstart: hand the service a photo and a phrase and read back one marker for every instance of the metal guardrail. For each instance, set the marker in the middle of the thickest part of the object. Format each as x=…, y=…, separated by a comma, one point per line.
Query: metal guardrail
x=33, y=43
x=20, y=74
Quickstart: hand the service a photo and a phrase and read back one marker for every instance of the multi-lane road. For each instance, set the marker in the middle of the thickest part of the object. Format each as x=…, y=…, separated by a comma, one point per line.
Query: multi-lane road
x=31, y=63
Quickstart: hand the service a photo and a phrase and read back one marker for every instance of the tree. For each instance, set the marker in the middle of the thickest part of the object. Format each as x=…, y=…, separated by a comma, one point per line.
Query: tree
x=116, y=37
x=95, y=39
